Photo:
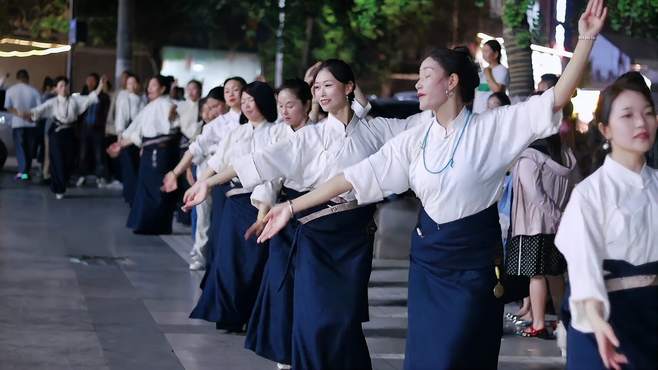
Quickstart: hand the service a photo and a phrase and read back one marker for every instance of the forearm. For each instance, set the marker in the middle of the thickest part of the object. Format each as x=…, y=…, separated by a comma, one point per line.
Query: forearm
x=183, y=164
x=322, y=194
x=206, y=175
x=593, y=311
x=262, y=211
x=223, y=177
x=360, y=96
x=572, y=74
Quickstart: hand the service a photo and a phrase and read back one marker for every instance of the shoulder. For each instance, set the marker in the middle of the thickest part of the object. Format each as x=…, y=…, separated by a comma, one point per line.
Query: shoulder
x=591, y=190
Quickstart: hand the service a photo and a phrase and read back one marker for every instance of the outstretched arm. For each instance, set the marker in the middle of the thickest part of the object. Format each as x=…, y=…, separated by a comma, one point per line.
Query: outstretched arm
x=590, y=24
x=280, y=214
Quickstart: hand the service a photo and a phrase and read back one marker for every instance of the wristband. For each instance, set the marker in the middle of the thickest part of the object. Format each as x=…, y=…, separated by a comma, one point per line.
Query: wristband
x=589, y=38
x=292, y=211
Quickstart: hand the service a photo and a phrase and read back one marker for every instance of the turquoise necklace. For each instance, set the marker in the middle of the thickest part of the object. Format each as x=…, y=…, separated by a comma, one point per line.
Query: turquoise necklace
x=451, y=161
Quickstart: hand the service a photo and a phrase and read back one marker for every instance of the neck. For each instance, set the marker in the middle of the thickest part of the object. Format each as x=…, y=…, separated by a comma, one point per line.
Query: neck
x=235, y=109
x=493, y=63
x=448, y=111
x=257, y=123
x=632, y=161
x=299, y=125
x=343, y=114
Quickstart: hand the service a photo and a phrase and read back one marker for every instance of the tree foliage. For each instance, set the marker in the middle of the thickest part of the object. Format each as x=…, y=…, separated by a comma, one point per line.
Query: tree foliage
x=637, y=18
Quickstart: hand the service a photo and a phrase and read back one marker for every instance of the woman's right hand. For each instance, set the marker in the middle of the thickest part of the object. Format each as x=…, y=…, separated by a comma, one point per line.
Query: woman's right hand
x=275, y=220
x=608, y=343
x=170, y=182
x=113, y=150
x=195, y=195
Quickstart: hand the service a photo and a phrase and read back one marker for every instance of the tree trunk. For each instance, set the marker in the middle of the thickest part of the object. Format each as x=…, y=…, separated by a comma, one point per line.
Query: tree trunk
x=307, y=45
x=519, y=59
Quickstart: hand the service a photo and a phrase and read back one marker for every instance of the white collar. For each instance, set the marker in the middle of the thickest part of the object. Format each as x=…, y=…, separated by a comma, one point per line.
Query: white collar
x=625, y=175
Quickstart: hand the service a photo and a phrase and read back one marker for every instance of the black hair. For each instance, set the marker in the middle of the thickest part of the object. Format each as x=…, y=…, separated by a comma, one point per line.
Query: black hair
x=460, y=63
x=630, y=81
x=130, y=74
x=502, y=98
x=22, y=75
x=48, y=82
x=95, y=76
x=61, y=78
x=495, y=46
x=164, y=82
x=263, y=95
x=239, y=79
x=197, y=83
x=550, y=79
x=551, y=146
x=216, y=93
x=341, y=72
x=299, y=88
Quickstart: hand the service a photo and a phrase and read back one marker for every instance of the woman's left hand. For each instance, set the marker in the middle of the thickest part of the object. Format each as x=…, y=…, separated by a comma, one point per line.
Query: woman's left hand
x=592, y=20
x=275, y=220
x=195, y=195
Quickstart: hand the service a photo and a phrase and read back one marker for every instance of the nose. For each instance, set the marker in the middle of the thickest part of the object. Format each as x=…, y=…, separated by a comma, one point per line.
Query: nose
x=417, y=85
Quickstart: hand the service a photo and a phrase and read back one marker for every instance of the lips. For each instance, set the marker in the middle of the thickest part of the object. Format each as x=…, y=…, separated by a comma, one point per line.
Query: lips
x=642, y=136
x=324, y=101
x=420, y=95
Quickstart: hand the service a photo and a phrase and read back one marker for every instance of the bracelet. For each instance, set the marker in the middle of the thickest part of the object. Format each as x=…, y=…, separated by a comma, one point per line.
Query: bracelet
x=292, y=211
x=174, y=173
x=589, y=38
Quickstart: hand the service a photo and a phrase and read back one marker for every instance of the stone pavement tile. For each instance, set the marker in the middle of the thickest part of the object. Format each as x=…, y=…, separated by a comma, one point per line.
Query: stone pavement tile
x=49, y=350
x=216, y=351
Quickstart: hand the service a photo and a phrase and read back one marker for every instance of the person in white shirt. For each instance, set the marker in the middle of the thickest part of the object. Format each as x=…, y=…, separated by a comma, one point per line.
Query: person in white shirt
x=609, y=238
x=154, y=132
x=188, y=112
x=199, y=151
x=455, y=162
x=64, y=109
x=128, y=103
x=234, y=276
x=493, y=79
x=22, y=97
x=327, y=331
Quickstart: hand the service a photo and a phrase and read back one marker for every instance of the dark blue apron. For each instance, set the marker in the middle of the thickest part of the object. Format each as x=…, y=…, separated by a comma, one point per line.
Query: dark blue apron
x=152, y=210
x=129, y=165
x=633, y=317
x=232, y=283
x=455, y=321
x=269, y=333
x=332, y=259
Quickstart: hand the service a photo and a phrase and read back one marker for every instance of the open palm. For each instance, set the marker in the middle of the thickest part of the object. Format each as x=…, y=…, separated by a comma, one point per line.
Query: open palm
x=275, y=220
x=195, y=195
x=592, y=20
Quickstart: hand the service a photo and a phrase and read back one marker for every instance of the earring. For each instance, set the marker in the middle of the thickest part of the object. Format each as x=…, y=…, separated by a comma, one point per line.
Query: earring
x=606, y=145
x=449, y=93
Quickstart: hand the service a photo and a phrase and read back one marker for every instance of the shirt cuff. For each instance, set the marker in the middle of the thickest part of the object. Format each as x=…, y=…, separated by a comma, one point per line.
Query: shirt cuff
x=247, y=172
x=197, y=153
x=549, y=122
x=264, y=194
x=364, y=182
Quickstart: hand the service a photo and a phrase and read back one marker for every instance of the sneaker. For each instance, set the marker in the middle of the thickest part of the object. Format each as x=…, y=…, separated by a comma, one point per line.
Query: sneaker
x=80, y=182
x=283, y=366
x=197, y=266
x=18, y=176
x=101, y=183
x=114, y=185
x=59, y=196
x=25, y=177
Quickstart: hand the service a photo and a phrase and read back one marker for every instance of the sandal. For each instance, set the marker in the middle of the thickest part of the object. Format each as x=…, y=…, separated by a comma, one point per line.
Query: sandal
x=531, y=332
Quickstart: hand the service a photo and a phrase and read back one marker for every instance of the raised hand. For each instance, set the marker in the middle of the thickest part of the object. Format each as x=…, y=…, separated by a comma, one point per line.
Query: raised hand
x=195, y=195
x=592, y=20
x=275, y=220
x=311, y=72
x=169, y=183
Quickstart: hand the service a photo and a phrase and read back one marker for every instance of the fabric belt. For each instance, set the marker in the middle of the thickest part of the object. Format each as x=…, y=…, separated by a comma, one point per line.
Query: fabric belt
x=237, y=191
x=631, y=282
x=342, y=207
x=157, y=140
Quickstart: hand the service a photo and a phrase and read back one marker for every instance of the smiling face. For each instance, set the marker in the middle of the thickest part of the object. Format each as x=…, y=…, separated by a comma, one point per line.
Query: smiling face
x=632, y=124
x=232, y=91
x=293, y=111
x=249, y=108
x=331, y=93
x=432, y=85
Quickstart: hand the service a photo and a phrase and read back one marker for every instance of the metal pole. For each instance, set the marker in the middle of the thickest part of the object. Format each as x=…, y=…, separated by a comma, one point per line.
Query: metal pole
x=278, y=62
x=124, y=50
x=69, y=57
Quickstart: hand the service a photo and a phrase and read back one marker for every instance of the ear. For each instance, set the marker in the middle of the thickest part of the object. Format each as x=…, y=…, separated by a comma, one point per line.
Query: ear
x=453, y=81
x=605, y=130
x=349, y=88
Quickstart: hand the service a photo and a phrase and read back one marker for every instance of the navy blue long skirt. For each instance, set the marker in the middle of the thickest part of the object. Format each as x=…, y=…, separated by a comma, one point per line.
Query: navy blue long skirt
x=152, y=210
x=633, y=317
x=269, y=333
x=332, y=265
x=232, y=283
x=218, y=200
x=129, y=166
x=455, y=321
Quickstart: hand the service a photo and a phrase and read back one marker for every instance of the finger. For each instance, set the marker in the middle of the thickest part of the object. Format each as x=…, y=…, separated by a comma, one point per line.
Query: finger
x=265, y=235
x=604, y=15
x=620, y=358
x=589, y=6
x=610, y=335
x=599, y=8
